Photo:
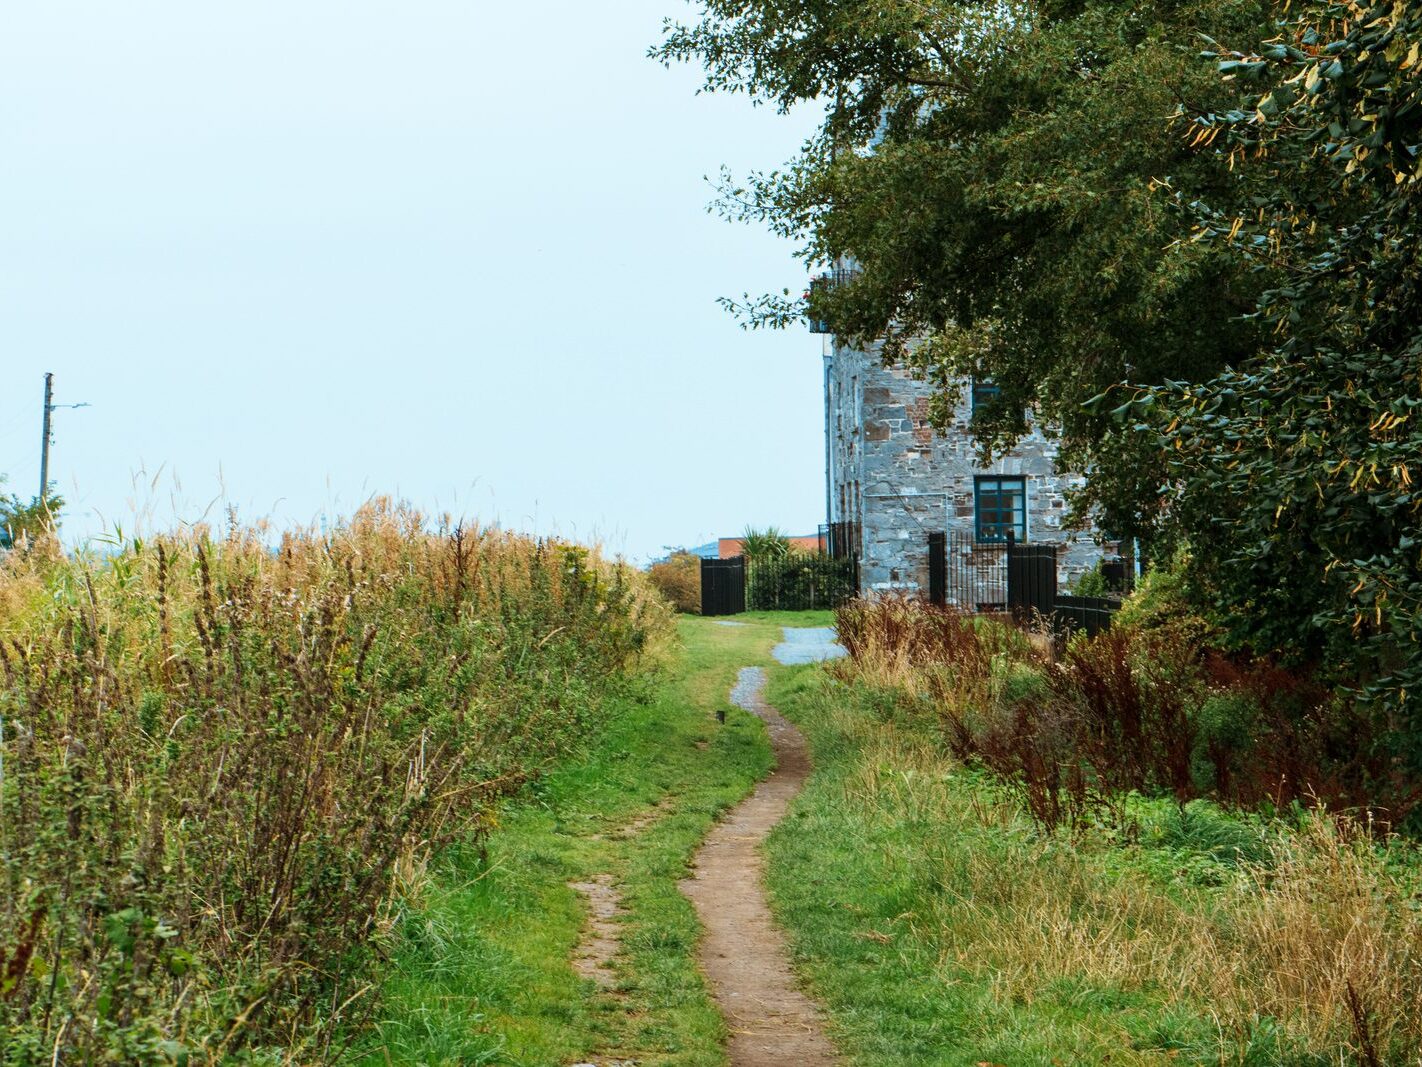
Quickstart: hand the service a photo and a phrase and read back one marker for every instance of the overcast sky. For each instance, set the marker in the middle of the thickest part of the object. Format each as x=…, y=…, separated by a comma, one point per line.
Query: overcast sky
x=296, y=254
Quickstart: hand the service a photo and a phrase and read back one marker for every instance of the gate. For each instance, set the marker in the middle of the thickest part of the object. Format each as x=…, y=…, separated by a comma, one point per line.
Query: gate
x=723, y=586
x=1031, y=581
x=1022, y=579
x=965, y=574
x=1089, y=613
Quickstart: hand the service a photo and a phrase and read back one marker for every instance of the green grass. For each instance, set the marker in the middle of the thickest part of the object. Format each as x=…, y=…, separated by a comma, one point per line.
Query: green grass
x=896, y=875
x=483, y=976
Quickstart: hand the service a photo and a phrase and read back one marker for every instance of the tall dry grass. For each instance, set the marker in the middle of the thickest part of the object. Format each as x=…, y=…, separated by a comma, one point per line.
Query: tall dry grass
x=221, y=759
x=1310, y=952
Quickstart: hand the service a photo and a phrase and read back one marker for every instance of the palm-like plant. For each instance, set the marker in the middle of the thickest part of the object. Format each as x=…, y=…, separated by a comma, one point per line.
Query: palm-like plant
x=766, y=544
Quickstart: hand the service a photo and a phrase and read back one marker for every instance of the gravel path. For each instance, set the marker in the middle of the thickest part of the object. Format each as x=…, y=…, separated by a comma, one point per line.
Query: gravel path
x=807, y=644
x=772, y=1023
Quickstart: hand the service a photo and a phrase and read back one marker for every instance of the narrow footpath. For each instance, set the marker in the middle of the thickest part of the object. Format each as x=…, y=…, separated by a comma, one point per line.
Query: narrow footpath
x=743, y=954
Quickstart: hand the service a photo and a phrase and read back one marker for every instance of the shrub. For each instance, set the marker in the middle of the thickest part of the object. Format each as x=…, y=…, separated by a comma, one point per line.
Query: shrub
x=1091, y=583
x=798, y=581
x=769, y=543
x=1132, y=709
x=1161, y=602
x=223, y=763
x=678, y=578
x=1224, y=726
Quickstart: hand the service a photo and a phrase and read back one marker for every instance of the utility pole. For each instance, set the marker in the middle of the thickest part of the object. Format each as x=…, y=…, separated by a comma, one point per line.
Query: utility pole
x=44, y=448
x=49, y=409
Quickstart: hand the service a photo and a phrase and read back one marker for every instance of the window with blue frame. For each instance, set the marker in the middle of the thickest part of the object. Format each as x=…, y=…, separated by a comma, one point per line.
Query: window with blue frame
x=983, y=393
x=1001, y=508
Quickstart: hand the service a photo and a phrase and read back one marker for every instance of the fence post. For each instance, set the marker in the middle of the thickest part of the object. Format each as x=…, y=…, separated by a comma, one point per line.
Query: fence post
x=938, y=567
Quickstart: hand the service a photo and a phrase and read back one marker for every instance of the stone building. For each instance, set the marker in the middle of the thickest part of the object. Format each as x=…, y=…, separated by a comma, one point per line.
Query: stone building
x=891, y=480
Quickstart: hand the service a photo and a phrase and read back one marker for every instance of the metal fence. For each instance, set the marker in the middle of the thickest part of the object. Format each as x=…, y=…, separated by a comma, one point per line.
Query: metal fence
x=1031, y=581
x=1020, y=578
x=801, y=582
x=965, y=574
x=1089, y=613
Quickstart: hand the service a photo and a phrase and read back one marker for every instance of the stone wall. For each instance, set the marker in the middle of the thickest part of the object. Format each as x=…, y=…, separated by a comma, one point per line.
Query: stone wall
x=898, y=479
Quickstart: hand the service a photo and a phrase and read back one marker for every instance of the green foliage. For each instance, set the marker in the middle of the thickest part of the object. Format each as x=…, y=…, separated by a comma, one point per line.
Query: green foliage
x=222, y=763
x=1015, y=684
x=1135, y=710
x=1162, y=602
x=798, y=581
x=1091, y=583
x=678, y=578
x=766, y=544
x=1295, y=470
x=31, y=522
x=1224, y=727
x=999, y=175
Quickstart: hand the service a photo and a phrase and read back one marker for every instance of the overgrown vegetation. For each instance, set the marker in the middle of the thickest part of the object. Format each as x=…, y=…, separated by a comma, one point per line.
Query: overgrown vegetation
x=678, y=578
x=224, y=763
x=1182, y=235
x=942, y=922
x=1131, y=711
x=485, y=976
x=27, y=522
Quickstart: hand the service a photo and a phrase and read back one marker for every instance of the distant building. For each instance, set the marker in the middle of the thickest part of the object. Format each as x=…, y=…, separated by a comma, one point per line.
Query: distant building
x=731, y=547
x=891, y=480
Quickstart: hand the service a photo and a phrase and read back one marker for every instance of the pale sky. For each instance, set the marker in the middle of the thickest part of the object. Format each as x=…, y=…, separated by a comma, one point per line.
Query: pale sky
x=299, y=253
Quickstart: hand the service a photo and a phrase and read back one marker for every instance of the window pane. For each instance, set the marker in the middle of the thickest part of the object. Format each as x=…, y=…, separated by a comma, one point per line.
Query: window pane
x=1001, y=508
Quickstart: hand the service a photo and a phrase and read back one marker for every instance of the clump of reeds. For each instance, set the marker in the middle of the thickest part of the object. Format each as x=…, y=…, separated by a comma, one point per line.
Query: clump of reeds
x=219, y=756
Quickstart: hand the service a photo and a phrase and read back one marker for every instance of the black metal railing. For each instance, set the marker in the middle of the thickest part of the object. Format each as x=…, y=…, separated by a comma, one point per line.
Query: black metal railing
x=965, y=574
x=1089, y=613
x=801, y=582
x=1020, y=578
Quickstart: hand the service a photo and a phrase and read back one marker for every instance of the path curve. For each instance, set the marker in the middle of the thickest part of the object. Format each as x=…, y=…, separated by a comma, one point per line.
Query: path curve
x=772, y=1023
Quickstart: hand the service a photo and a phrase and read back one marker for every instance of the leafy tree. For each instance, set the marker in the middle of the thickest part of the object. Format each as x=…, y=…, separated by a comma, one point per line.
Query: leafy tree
x=20, y=521
x=1297, y=474
x=1001, y=174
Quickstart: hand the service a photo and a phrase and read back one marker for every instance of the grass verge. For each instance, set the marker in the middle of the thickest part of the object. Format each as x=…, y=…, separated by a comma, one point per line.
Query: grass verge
x=940, y=925
x=483, y=975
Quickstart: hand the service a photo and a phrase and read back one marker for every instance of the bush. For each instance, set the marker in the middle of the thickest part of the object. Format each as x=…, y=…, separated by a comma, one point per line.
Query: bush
x=1224, y=728
x=1161, y=602
x=798, y=581
x=678, y=578
x=1091, y=583
x=223, y=764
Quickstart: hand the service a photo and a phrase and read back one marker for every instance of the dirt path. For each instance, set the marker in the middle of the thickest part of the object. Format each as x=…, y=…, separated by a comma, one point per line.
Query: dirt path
x=743, y=954
x=601, y=937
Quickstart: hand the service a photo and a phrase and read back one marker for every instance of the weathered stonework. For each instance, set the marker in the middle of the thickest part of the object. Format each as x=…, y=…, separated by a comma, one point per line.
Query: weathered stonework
x=898, y=480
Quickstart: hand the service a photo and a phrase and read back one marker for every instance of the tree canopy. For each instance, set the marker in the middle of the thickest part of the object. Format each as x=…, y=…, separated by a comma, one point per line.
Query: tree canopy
x=1181, y=235
x=1001, y=175
x=1295, y=475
